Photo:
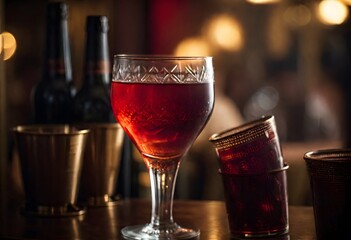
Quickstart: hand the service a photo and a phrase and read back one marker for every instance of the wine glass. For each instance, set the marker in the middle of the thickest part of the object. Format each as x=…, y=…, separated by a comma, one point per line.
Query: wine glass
x=162, y=103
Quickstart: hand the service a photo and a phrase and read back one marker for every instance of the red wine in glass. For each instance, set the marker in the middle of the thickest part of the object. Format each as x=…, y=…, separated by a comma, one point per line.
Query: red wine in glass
x=162, y=119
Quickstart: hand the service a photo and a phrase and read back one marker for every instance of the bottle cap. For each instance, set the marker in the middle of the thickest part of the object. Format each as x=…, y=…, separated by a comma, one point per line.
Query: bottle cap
x=57, y=10
x=97, y=23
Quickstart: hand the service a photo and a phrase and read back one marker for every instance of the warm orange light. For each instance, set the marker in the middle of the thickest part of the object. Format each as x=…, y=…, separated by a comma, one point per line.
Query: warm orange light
x=348, y=2
x=1, y=43
x=9, y=45
x=262, y=1
x=224, y=32
x=194, y=46
x=332, y=12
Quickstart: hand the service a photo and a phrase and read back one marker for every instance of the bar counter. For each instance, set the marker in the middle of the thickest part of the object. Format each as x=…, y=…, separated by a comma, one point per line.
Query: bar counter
x=106, y=222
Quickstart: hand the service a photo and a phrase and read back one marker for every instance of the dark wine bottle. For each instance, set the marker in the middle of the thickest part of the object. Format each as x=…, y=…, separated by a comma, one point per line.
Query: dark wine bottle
x=92, y=102
x=53, y=94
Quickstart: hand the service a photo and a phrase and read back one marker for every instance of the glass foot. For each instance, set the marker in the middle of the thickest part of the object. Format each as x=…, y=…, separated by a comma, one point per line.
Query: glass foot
x=149, y=232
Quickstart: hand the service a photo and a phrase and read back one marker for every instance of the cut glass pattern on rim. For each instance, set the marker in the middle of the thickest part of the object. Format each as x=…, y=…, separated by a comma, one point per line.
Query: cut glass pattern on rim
x=176, y=73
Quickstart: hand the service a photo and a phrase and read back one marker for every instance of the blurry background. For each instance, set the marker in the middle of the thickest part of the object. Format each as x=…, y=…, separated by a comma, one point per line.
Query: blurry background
x=290, y=58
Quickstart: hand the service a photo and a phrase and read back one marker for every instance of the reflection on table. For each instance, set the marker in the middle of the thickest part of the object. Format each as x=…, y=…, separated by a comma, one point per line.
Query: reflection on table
x=106, y=222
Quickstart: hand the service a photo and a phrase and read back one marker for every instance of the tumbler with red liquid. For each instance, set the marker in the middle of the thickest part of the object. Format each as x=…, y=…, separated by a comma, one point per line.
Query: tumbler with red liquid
x=254, y=179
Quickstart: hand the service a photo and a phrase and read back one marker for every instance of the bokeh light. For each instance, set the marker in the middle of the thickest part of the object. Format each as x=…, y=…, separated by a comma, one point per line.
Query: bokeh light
x=332, y=12
x=193, y=46
x=224, y=32
x=262, y=1
x=9, y=45
x=348, y=2
x=1, y=43
x=298, y=15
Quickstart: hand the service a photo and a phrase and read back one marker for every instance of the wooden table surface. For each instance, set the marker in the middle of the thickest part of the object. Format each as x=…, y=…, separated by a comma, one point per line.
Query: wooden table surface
x=106, y=222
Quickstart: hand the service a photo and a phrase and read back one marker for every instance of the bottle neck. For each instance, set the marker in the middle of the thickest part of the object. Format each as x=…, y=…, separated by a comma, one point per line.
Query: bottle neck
x=58, y=60
x=97, y=62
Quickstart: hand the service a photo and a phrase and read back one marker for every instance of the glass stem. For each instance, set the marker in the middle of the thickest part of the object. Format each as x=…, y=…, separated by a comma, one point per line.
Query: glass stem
x=162, y=181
